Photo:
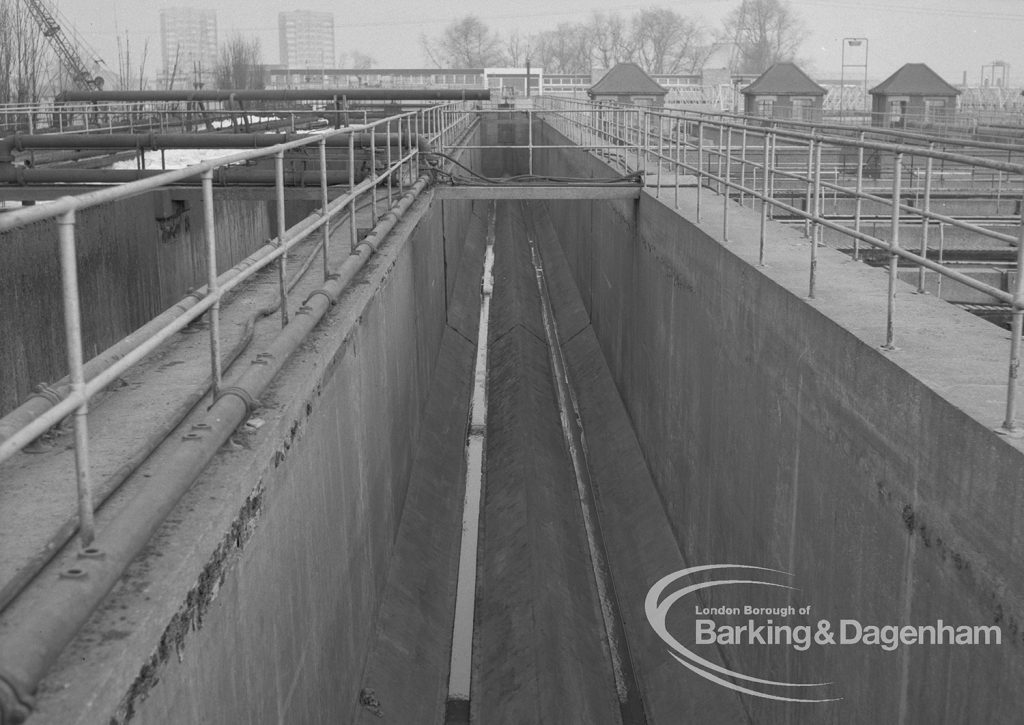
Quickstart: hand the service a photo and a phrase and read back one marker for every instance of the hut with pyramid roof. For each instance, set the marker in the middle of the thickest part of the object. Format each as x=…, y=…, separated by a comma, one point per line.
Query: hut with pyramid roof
x=914, y=95
x=628, y=83
x=784, y=91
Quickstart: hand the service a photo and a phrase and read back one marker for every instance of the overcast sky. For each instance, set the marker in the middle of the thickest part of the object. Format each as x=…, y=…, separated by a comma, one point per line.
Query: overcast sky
x=952, y=36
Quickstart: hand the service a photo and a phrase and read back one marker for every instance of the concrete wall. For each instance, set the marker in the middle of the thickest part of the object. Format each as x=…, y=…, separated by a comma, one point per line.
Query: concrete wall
x=262, y=592
x=131, y=267
x=779, y=435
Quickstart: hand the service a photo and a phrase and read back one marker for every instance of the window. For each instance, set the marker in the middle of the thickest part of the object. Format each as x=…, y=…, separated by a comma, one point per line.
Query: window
x=802, y=108
x=898, y=111
x=934, y=109
x=765, y=105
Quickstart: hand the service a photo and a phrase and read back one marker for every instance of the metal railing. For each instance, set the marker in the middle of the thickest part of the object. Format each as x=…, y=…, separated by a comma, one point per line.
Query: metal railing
x=163, y=117
x=787, y=171
x=440, y=125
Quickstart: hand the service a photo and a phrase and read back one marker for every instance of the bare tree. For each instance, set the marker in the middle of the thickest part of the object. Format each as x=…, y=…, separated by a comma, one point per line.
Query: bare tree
x=24, y=61
x=517, y=49
x=240, y=63
x=666, y=42
x=610, y=40
x=764, y=32
x=565, y=49
x=465, y=43
x=125, y=68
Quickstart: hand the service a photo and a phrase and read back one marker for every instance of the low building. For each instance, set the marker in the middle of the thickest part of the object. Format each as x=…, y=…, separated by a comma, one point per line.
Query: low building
x=628, y=83
x=784, y=91
x=914, y=95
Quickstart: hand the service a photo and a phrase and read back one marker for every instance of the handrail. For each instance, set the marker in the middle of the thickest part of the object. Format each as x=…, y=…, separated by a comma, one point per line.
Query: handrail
x=436, y=124
x=700, y=145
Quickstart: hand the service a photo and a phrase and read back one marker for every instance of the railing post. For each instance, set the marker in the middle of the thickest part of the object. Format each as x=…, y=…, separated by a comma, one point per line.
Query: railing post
x=76, y=370
x=810, y=184
x=529, y=135
x=401, y=163
x=659, y=153
x=1009, y=426
x=641, y=165
x=771, y=173
x=282, y=262
x=859, y=202
x=718, y=155
x=353, y=232
x=373, y=175
x=324, y=199
x=727, y=179
x=764, y=202
x=894, y=244
x=678, y=165
x=743, y=163
x=700, y=164
x=213, y=288
x=816, y=213
x=926, y=225
x=391, y=176
x=440, y=131
x=408, y=139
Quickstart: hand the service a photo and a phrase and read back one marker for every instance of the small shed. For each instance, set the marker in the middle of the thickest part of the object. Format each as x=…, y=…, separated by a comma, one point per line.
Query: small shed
x=914, y=95
x=784, y=91
x=628, y=83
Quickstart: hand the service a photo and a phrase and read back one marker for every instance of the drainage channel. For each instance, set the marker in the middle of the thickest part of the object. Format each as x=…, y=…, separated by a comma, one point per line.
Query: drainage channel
x=626, y=689
x=461, y=667
x=535, y=607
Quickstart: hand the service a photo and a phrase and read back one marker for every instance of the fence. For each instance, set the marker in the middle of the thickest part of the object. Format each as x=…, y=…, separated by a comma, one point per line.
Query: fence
x=755, y=160
x=438, y=125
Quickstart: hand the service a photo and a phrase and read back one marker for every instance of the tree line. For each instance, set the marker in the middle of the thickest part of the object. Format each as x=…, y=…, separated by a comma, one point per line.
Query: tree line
x=660, y=40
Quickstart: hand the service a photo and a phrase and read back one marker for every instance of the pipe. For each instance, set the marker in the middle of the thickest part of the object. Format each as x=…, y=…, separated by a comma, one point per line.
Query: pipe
x=156, y=141
x=46, y=396
x=45, y=618
x=323, y=94
x=222, y=175
x=110, y=484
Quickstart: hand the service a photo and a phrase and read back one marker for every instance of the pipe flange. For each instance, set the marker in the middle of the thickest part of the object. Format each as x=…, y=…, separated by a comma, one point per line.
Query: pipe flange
x=242, y=394
x=314, y=293
x=44, y=391
x=15, y=704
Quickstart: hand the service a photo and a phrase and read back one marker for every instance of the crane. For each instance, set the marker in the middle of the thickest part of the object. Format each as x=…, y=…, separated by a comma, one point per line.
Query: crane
x=66, y=50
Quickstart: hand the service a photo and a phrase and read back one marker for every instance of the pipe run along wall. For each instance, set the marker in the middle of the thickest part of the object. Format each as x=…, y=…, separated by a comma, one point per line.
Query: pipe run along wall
x=135, y=259
x=780, y=435
x=275, y=565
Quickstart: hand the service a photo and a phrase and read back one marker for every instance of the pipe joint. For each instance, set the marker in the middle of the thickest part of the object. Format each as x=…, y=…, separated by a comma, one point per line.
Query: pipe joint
x=314, y=293
x=242, y=394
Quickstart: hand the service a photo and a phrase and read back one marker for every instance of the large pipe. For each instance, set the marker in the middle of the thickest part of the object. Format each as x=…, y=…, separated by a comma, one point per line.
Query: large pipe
x=47, y=617
x=157, y=141
x=323, y=94
x=223, y=175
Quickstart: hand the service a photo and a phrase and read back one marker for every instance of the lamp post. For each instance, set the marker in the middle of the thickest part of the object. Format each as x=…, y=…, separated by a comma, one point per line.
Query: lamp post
x=852, y=43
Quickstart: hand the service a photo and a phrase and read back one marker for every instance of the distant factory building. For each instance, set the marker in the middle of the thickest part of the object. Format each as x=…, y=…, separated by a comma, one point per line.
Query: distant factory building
x=188, y=45
x=628, y=83
x=914, y=95
x=306, y=39
x=784, y=91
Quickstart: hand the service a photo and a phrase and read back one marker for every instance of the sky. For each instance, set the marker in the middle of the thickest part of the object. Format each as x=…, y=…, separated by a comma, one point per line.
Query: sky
x=952, y=36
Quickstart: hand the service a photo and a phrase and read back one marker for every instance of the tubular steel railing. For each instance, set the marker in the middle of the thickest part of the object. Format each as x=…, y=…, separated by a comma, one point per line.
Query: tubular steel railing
x=439, y=125
x=789, y=169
